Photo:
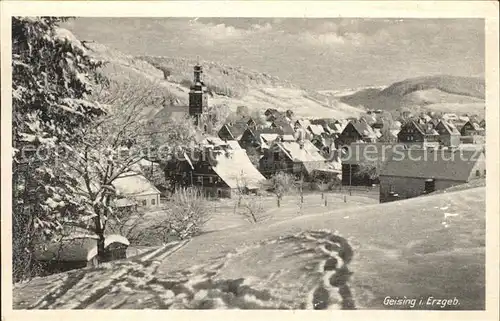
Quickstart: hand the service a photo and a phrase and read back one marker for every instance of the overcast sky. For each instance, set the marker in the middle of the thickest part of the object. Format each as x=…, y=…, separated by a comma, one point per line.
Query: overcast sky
x=313, y=53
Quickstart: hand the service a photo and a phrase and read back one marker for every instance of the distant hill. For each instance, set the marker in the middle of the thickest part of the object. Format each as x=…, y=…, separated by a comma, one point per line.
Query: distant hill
x=230, y=85
x=437, y=93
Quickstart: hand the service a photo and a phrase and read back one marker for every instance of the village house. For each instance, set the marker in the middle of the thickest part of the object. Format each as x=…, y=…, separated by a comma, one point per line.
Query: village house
x=415, y=172
x=369, y=119
x=234, y=131
x=417, y=134
x=323, y=144
x=300, y=158
x=337, y=127
x=325, y=123
x=449, y=136
x=260, y=138
x=471, y=128
x=316, y=130
x=450, y=117
x=218, y=171
x=361, y=162
x=283, y=125
x=133, y=188
x=378, y=124
x=302, y=123
x=388, y=136
x=356, y=131
x=270, y=112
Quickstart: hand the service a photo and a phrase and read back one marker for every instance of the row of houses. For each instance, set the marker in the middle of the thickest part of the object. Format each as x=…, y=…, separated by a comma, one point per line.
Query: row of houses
x=302, y=147
x=221, y=167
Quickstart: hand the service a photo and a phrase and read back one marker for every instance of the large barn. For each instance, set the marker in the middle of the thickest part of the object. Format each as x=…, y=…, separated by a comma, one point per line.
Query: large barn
x=410, y=173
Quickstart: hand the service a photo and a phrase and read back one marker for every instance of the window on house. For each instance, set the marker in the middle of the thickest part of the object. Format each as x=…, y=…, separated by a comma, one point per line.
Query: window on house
x=199, y=179
x=478, y=173
x=153, y=201
x=210, y=180
x=144, y=202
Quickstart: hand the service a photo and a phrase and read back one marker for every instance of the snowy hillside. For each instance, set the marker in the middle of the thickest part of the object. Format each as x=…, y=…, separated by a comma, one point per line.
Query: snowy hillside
x=232, y=86
x=434, y=93
x=427, y=246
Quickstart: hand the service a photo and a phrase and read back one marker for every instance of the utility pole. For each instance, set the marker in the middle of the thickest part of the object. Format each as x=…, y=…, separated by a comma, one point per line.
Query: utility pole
x=301, y=185
x=350, y=177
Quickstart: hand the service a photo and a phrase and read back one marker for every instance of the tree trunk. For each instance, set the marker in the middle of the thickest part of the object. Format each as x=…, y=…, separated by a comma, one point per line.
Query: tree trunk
x=279, y=203
x=101, y=250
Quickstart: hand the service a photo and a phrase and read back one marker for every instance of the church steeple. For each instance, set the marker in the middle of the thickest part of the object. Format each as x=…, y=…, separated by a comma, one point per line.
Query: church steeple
x=198, y=98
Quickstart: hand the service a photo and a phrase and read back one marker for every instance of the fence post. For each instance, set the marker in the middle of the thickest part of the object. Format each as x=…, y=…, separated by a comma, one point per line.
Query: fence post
x=345, y=199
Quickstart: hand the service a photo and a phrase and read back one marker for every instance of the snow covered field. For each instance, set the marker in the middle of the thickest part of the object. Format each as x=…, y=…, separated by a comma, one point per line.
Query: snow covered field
x=421, y=247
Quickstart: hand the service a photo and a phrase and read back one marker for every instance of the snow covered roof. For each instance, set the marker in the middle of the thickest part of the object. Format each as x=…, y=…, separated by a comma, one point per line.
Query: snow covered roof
x=394, y=132
x=308, y=153
x=303, y=122
x=233, y=144
x=288, y=137
x=268, y=137
x=439, y=164
x=134, y=184
x=316, y=129
x=213, y=140
x=235, y=169
x=147, y=163
x=450, y=128
x=363, y=129
x=337, y=128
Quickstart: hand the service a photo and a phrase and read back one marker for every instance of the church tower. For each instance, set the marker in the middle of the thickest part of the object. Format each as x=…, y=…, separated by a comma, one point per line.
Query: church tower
x=198, y=97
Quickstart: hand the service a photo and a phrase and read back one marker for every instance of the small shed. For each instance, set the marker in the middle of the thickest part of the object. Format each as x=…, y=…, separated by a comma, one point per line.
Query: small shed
x=79, y=250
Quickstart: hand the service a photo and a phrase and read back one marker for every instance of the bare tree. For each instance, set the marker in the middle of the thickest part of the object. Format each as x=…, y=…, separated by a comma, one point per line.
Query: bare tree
x=241, y=187
x=323, y=186
x=253, y=209
x=185, y=214
x=368, y=169
x=281, y=184
x=113, y=146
